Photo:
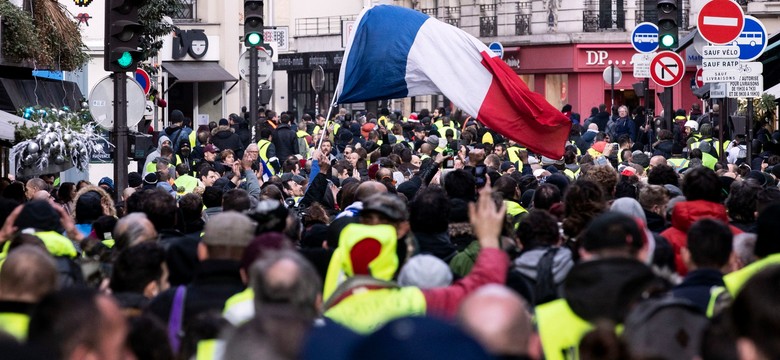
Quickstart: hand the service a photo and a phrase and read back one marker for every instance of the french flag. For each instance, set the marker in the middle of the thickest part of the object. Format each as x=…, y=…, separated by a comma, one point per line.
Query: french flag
x=395, y=52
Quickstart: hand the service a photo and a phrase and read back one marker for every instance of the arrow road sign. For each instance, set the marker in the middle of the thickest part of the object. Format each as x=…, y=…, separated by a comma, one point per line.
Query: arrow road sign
x=644, y=38
x=667, y=68
x=720, y=21
x=752, y=40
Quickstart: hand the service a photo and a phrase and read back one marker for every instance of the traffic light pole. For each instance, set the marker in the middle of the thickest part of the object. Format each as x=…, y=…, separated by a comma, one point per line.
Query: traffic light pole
x=253, y=90
x=120, y=133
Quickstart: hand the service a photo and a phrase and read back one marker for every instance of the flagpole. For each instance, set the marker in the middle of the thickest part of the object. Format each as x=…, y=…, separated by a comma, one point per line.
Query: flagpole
x=327, y=120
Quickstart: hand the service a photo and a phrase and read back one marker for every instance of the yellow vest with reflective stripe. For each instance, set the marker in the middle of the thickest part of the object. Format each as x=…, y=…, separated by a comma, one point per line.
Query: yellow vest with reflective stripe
x=735, y=280
x=186, y=183
x=193, y=137
x=262, y=146
x=365, y=311
x=15, y=324
x=560, y=330
x=514, y=209
x=678, y=163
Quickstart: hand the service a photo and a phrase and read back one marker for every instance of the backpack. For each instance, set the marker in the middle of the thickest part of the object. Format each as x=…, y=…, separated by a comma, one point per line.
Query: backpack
x=544, y=287
x=665, y=328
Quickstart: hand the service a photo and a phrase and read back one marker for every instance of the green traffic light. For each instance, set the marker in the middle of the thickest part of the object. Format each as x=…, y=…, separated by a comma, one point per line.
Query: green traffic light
x=667, y=40
x=254, y=39
x=125, y=60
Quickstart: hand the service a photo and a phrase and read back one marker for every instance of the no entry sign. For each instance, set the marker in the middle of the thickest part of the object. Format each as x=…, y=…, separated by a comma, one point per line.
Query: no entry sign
x=699, y=78
x=720, y=21
x=667, y=68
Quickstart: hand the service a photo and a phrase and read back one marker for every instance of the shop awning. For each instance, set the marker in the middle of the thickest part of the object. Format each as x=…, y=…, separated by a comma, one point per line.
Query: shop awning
x=7, y=122
x=20, y=93
x=197, y=71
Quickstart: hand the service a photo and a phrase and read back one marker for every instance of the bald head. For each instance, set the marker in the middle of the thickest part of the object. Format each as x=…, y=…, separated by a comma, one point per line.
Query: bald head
x=657, y=160
x=593, y=126
x=28, y=274
x=369, y=188
x=498, y=318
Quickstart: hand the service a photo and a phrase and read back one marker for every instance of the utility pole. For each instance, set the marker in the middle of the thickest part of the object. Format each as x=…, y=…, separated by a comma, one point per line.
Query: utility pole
x=253, y=37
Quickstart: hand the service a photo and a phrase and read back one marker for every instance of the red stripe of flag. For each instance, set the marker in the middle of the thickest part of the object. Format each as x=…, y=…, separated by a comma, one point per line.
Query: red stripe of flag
x=516, y=112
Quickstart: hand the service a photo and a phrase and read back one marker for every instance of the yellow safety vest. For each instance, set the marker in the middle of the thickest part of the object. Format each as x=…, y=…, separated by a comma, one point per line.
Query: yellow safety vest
x=240, y=307
x=193, y=137
x=365, y=311
x=735, y=280
x=514, y=210
x=383, y=267
x=186, y=183
x=572, y=175
x=560, y=330
x=678, y=163
x=15, y=324
x=262, y=146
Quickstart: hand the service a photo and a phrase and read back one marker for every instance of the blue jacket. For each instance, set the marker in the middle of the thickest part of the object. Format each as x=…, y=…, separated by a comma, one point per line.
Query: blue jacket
x=625, y=126
x=697, y=285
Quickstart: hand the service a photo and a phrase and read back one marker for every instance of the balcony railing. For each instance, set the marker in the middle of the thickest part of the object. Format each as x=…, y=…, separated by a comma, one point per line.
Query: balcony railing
x=487, y=26
x=523, y=24
x=652, y=16
x=594, y=20
x=185, y=11
x=433, y=12
x=330, y=25
x=453, y=22
x=452, y=11
x=487, y=10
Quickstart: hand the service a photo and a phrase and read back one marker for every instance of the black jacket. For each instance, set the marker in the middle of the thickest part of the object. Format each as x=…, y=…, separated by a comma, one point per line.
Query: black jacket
x=224, y=137
x=181, y=255
x=601, y=119
x=697, y=285
x=215, y=282
x=285, y=141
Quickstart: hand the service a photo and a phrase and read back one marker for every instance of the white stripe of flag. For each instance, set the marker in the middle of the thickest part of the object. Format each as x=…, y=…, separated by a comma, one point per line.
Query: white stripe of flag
x=720, y=21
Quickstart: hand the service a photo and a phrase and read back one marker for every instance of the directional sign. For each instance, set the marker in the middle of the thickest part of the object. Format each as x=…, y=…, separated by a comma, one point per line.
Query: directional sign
x=746, y=87
x=641, y=64
x=699, y=78
x=497, y=48
x=721, y=51
x=644, y=38
x=667, y=68
x=720, y=21
x=752, y=40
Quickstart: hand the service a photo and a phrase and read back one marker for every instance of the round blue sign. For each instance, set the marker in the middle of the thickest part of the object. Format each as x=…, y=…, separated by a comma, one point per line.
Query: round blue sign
x=644, y=38
x=497, y=48
x=752, y=40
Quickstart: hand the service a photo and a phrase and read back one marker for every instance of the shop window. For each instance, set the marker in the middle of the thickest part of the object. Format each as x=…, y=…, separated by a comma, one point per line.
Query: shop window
x=556, y=89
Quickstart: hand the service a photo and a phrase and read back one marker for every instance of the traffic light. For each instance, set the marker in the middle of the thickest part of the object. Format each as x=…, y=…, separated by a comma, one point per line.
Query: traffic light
x=253, y=22
x=122, y=35
x=667, y=24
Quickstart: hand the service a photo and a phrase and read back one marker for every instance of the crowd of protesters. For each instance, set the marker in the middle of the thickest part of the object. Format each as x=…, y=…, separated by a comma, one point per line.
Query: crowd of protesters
x=415, y=236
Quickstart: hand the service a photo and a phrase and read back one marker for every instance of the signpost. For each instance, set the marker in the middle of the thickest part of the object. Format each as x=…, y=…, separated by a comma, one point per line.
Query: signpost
x=612, y=75
x=497, y=48
x=720, y=21
x=644, y=38
x=265, y=66
x=752, y=41
x=667, y=68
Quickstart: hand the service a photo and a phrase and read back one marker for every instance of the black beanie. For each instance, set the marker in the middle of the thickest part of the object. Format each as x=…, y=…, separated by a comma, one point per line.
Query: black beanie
x=40, y=215
x=88, y=207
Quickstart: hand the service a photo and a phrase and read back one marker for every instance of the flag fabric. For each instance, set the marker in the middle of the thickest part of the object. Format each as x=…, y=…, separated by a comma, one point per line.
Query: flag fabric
x=395, y=52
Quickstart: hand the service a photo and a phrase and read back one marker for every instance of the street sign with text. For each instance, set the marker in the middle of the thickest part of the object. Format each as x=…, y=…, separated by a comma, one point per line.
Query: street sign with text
x=721, y=52
x=747, y=87
x=641, y=64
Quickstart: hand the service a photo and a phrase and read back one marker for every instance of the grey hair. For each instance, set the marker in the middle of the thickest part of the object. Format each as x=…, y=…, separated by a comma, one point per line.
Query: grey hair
x=300, y=291
x=132, y=229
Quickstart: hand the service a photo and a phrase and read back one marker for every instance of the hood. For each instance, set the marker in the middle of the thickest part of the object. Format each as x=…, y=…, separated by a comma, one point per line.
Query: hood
x=528, y=263
x=685, y=213
x=161, y=139
x=170, y=130
x=222, y=131
x=606, y=288
x=368, y=250
x=105, y=199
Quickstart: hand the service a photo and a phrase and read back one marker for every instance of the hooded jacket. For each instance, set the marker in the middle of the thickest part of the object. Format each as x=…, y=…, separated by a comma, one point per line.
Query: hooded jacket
x=359, y=293
x=177, y=134
x=527, y=264
x=597, y=289
x=224, y=137
x=686, y=213
x=156, y=153
x=285, y=141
